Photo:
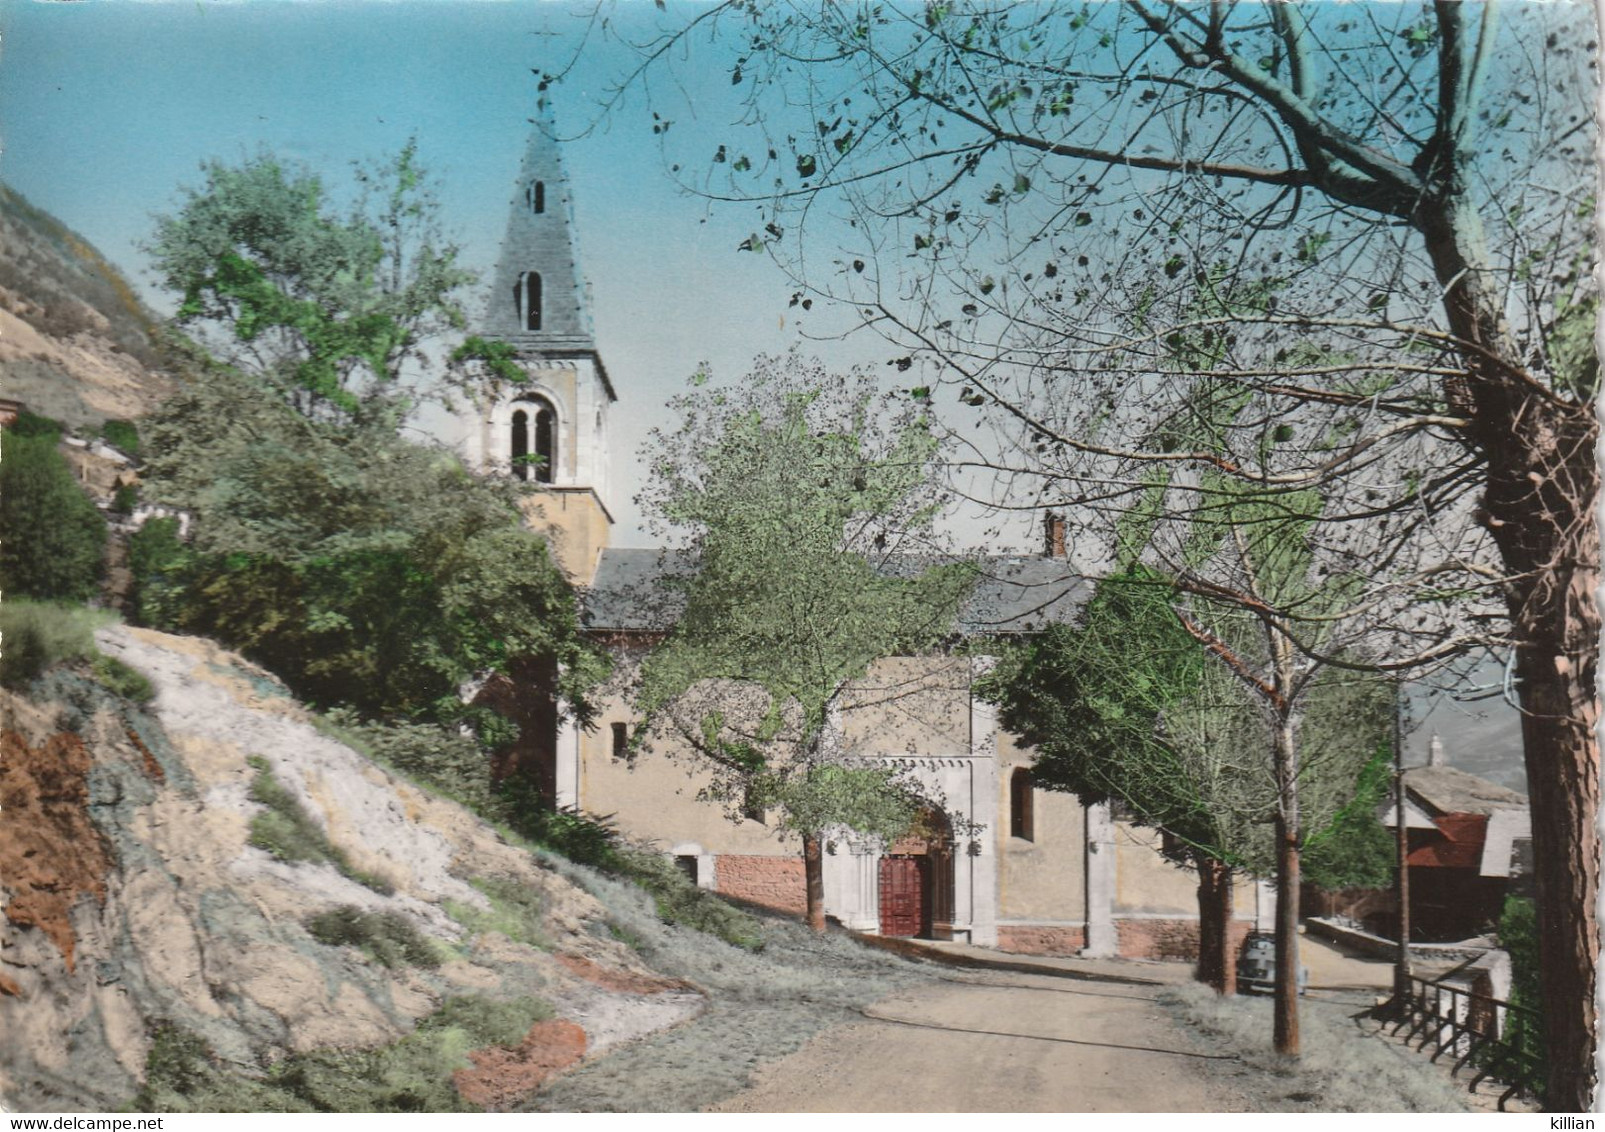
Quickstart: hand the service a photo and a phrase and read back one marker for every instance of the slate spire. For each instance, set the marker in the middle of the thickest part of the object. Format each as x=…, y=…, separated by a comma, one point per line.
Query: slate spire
x=537, y=300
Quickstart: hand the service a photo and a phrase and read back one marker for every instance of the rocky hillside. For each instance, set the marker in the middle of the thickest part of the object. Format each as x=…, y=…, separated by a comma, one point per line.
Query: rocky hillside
x=75, y=341
x=210, y=903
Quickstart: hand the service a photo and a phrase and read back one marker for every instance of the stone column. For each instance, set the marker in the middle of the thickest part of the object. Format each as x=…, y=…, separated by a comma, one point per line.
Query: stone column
x=980, y=850
x=852, y=876
x=1102, y=940
x=567, y=759
x=1265, y=905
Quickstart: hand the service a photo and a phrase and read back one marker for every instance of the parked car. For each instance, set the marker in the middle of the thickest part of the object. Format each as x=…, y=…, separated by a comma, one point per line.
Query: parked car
x=1256, y=965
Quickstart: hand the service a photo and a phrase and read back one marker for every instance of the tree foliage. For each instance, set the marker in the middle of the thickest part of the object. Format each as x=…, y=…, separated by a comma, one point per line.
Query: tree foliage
x=364, y=569
x=52, y=537
x=1357, y=850
x=324, y=304
x=800, y=495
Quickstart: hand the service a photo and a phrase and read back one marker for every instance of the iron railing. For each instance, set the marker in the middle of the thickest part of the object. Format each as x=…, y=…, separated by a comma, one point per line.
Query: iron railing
x=1490, y=1035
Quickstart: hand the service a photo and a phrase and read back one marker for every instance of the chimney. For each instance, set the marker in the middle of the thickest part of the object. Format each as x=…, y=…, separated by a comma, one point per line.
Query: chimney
x=1053, y=535
x=1435, y=755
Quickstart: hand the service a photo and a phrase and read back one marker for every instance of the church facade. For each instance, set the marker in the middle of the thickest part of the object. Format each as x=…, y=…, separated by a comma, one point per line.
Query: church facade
x=1003, y=863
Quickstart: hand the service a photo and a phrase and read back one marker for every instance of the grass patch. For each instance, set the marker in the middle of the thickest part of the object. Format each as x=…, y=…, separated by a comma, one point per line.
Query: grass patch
x=36, y=635
x=388, y=938
x=515, y=912
x=121, y=679
x=409, y=1075
x=679, y=901
x=1344, y=1068
x=288, y=833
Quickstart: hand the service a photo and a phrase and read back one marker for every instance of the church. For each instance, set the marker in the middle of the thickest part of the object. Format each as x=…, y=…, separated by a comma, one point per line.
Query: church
x=1003, y=863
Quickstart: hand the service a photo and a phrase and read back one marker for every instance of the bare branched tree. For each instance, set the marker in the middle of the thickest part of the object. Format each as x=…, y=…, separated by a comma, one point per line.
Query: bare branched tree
x=1372, y=218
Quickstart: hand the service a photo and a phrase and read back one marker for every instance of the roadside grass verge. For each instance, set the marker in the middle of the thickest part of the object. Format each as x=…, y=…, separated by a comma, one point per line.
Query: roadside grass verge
x=762, y=1004
x=1344, y=1067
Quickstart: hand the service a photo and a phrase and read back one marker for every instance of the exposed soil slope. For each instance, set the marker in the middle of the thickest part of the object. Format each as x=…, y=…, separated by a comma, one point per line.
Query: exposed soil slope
x=135, y=900
x=75, y=341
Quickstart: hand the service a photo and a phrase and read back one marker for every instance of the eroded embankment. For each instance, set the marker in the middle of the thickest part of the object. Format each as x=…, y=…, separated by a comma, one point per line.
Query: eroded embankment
x=153, y=885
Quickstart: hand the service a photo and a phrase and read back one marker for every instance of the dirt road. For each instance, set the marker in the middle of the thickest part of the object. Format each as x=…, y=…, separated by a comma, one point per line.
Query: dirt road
x=998, y=1041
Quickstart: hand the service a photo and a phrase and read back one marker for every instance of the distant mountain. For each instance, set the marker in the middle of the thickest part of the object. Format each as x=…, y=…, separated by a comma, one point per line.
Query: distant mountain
x=76, y=343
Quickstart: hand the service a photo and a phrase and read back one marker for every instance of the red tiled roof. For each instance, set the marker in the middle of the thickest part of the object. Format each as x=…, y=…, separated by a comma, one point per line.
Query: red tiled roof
x=1458, y=844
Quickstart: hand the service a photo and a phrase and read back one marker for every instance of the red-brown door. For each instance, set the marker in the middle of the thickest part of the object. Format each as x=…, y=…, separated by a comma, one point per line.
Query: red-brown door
x=902, y=896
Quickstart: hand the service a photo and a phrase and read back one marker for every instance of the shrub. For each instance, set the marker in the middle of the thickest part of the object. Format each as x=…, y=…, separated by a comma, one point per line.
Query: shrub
x=288, y=833
x=125, y=498
x=156, y=559
x=32, y=425
x=388, y=937
x=52, y=538
x=34, y=635
x=121, y=435
x=449, y=762
x=679, y=901
x=1518, y=936
x=487, y=1022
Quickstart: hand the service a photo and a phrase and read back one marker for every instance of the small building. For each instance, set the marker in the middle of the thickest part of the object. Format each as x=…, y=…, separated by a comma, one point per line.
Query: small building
x=1468, y=840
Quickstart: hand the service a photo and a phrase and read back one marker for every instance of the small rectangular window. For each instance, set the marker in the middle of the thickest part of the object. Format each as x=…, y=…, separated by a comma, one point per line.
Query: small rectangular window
x=621, y=741
x=687, y=864
x=751, y=804
x=1021, y=818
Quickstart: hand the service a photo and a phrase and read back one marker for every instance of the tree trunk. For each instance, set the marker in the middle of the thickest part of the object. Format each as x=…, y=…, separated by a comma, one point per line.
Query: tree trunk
x=814, y=877
x=1287, y=891
x=1538, y=504
x=1216, y=967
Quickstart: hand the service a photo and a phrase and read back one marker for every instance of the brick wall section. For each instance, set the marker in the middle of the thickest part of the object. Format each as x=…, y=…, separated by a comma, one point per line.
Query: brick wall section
x=774, y=882
x=1025, y=940
x=1170, y=939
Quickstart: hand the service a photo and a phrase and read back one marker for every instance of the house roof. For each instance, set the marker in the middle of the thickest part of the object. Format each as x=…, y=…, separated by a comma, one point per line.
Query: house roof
x=1014, y=594
x=1450, y=790
x=1458, y=847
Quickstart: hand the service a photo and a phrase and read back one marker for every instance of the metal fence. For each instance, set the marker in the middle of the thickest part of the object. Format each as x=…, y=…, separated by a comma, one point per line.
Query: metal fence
x=1498, y=1040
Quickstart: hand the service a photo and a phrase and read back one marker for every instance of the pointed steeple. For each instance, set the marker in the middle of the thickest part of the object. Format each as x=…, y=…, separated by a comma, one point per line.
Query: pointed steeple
x=537, y=300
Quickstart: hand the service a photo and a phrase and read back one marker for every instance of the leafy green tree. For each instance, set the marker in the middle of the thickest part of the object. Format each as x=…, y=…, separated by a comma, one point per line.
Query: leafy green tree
x=794, y=489
x=1357, y=850
x=1126, y=704
x=326, y=308
x=52, y=537
x=365, y=570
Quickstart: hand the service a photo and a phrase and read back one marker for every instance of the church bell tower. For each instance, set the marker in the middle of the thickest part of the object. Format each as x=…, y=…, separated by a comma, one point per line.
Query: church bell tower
x=550, y=429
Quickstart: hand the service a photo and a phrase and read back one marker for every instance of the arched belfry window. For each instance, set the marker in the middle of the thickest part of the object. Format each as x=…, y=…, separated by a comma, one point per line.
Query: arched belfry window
x=527, y=298
x=536, y=195
x=535, y=438
x=520, y=445
x=1022, y=818
x=545, y=441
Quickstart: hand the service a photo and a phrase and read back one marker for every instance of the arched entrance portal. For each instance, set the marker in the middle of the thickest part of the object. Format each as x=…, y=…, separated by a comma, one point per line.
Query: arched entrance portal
x=916, y=881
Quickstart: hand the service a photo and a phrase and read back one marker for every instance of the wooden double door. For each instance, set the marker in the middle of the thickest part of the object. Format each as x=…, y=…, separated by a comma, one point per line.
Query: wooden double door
x=916, y=894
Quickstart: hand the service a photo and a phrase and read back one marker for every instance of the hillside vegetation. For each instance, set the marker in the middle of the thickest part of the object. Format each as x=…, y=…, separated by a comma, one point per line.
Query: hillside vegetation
x=76, y=343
